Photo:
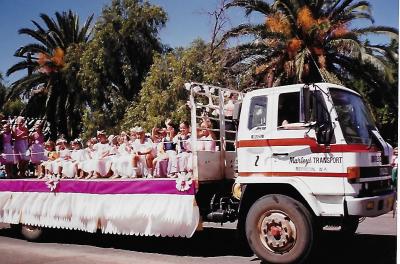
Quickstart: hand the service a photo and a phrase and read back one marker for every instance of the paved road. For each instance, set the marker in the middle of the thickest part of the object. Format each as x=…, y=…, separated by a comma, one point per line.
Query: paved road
x=375, y=242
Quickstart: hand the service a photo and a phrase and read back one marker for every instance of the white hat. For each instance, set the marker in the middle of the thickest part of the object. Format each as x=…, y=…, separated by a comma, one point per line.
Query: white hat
x=61, y=140
x=139, y=130
x=100, y=132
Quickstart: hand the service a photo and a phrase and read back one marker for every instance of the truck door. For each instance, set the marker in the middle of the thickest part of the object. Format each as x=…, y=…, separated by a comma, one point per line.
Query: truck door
x=289, y=146
x=296, y=152
x=253, y=152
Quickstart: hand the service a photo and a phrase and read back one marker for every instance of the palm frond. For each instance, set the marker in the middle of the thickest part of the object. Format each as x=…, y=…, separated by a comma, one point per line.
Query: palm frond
x=22, y=65
x=33, y=48
x=376, y=61
x=251, y=6
x=383, y=30
x=244, y=29
x=345, y=4
x=329, y=6
x=361, y=5
x=347, y=46
x=299, y=64
x=39, y=28
x=288, y=12
x=50, y=23
x=85, y=31
x=385, y=51
x=36, y=35
x=350, y=16
x=26, y=84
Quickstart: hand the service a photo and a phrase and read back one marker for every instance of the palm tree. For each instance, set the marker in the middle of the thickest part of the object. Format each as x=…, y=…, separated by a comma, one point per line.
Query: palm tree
x=3, y=92
x=309, y=41
x=51, y=66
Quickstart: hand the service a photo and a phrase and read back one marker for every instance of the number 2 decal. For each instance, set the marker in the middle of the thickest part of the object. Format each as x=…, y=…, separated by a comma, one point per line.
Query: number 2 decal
x=257, y=158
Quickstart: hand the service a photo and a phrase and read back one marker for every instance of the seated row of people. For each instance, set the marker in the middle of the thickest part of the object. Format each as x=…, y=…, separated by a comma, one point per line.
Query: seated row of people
x=165, y=153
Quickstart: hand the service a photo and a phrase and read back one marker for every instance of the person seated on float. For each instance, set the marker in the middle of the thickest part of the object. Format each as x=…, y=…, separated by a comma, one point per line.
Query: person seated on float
x=36, y=140
x=122, y=162
x=52, y=155
x=86, y=166
x=70, y=167
x=156, y=135
x=206, y=137
x=143, y=156
x=184, y=148
x=160, y=162
x=64, y=155
x=124, y=145
x=132, y=135
x=101, y=161
x=170, y=156
x=114, y=144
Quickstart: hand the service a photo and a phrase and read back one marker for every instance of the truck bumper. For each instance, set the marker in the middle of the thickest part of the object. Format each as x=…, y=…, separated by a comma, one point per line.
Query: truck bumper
x=370, y=206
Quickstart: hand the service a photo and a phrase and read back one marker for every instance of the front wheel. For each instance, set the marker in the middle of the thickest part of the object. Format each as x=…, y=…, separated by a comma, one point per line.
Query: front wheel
x=279, y=229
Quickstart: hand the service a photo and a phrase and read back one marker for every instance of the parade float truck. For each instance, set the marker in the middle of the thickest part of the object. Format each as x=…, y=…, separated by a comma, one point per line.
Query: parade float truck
x=290, y=161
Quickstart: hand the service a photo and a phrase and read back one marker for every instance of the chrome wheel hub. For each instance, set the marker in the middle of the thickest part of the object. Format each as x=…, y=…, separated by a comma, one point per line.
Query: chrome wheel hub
x=277, y=231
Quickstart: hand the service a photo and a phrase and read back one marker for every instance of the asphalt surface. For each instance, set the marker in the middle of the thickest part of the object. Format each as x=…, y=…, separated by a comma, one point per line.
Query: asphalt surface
x=375, y=242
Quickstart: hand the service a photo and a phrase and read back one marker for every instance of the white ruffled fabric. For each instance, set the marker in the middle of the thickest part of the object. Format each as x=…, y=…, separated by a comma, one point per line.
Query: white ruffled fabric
x=128, y=214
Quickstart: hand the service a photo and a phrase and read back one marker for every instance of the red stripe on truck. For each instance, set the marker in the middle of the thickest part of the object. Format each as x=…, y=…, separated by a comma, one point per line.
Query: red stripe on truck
x=297, y=173
x=312, y=143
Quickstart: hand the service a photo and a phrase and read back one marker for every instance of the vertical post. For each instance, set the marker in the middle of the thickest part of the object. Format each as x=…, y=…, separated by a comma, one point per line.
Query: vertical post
x=193, y=137
x=222, y=132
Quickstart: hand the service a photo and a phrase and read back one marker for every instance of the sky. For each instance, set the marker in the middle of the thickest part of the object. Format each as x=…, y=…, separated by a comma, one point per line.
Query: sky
x=187, y=20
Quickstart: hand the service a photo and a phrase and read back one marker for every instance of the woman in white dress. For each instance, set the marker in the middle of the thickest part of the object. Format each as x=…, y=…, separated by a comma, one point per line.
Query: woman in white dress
x=143, y=154
x=206, y=137
x=70, y=167
x=7, y=157
x=184, y=148
x=64, y=156
x=86, y=166
x=102, y=159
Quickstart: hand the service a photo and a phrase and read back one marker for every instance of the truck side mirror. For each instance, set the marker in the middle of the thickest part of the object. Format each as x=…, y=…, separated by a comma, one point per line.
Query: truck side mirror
x=324, y=132
x=305, y=115
x=236, y=111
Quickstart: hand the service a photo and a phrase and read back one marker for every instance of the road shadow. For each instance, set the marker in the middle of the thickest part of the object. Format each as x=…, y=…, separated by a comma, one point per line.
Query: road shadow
x=216, y=242
x=362, y=248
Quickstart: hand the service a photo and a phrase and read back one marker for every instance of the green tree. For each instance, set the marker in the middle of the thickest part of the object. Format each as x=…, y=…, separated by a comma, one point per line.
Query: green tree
x=52, y=63
x=3, y=92
x=163, y=94
x=119, y=56
x=381, y=96
x=309, y=41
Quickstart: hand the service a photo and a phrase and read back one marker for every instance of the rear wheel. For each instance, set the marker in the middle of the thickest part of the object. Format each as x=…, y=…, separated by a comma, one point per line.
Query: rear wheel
x=31, y=233
x=279, y=229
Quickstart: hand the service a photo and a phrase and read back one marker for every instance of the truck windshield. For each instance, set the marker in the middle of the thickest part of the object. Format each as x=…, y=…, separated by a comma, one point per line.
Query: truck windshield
x=354, y=117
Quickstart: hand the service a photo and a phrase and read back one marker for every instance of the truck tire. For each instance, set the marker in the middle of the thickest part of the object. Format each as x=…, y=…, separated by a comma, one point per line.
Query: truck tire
x=279, y=229
x=31, y=233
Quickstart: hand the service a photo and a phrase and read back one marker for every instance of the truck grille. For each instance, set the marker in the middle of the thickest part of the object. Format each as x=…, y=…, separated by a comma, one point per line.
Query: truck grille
x=374, y=188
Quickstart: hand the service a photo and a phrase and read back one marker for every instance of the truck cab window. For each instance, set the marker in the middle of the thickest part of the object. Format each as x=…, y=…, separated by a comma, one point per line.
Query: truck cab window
x=258, y=112
x=288, y=108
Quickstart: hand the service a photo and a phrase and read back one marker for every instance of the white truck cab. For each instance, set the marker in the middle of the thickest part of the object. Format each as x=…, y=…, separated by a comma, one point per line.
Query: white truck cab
x=307, y=156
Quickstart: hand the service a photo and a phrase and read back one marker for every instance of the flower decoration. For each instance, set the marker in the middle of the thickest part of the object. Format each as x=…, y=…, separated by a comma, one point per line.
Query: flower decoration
x=52, y=182
x=184, y=181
